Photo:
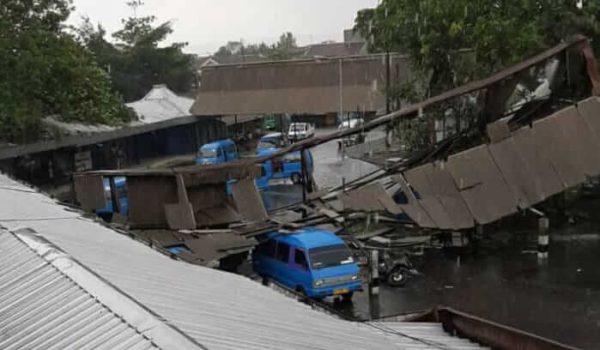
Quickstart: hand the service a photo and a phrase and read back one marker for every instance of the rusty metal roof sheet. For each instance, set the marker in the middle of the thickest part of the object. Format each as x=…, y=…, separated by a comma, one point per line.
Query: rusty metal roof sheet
x=49, y=301
x=424, y=335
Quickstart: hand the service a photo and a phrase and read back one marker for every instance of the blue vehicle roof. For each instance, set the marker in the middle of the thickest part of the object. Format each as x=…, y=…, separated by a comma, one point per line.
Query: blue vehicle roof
x=263, y=152
x=272, y=136
x=218, y=144
x=309, y=238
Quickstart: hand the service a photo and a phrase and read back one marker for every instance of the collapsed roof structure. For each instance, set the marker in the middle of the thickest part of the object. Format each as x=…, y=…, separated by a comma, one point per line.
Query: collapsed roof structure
x=70, y=282
x=457, y=184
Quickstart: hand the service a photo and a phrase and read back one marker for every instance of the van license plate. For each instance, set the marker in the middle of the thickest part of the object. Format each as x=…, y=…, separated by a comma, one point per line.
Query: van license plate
x=340, y=291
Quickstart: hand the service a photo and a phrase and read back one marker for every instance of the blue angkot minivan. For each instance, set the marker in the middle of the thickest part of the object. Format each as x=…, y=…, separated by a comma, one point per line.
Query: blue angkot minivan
x=312, y=261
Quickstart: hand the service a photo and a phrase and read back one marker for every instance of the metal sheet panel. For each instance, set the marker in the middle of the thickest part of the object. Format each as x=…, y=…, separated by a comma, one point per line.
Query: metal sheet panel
x=542, y=172
x=248, y=201
x=413, y=208
x=424, y=335
x=590, y=111
x=371, y=198
x=442, y=183
x=517, y=172
x=556, y=147
x=427, y=196
x=219, y=310
x=583, y=143
x=48, y=301
x=481, y=185
x=147, y=197
x=89, y=191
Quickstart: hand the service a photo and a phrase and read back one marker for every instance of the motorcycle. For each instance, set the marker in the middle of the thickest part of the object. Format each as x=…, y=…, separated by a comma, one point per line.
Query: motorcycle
x=396, y=271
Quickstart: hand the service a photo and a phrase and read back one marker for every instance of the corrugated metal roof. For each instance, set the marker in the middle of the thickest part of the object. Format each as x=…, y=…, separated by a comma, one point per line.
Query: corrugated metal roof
x=422, y=335
x=74, y=128
x=48, y=301
x=217, y=309
x=161, y=104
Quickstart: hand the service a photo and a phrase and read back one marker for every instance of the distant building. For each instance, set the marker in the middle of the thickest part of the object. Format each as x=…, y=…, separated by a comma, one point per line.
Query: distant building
x=205, y=61
x=336, y=49
x=316, y=86
x=352, y=36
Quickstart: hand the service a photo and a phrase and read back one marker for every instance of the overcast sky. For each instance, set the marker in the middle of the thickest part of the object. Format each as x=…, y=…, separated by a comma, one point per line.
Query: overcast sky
x=208, y=24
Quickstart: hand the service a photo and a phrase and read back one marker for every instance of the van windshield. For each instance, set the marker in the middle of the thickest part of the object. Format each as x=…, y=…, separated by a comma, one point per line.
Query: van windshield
x=208, y=152
x=298, y=127
x=268, y=143
x=330, y=256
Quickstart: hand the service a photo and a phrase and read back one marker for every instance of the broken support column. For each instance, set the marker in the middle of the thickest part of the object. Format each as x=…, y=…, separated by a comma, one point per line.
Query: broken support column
x=374, y=285
x=543, y=237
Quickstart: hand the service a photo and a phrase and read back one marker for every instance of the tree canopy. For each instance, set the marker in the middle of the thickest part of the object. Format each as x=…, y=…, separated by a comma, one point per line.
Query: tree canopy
x=437, y=33
x=452, y=42
x=45, y=71
x=283, y=49
x=137, y=60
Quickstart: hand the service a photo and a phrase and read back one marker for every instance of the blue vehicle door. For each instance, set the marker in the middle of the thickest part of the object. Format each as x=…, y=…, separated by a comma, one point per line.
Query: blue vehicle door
x=220, y=155
x=309, y=161
x=299, y=271
x=281, y=265
x=231, y=153
x=263, y=258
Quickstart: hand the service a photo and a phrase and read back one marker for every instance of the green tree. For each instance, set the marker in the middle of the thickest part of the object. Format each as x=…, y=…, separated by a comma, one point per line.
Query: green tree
x=44, y=71
x=437, y=33
x=285, y=48
x=137, y=61
x=453, y=42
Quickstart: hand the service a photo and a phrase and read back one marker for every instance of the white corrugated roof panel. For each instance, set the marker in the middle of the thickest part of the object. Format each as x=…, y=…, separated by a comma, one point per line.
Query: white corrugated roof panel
x=49, y=301
x=219, y=310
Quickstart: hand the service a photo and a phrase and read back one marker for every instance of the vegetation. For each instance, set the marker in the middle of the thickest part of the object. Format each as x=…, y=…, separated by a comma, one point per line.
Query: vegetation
x=45, y=71
x=285, y=48
x=452, y=42
x=137, y=61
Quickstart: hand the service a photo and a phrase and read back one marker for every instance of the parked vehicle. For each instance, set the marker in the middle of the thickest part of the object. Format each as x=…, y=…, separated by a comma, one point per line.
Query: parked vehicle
x=351, y=124
x=121, y=188
x=287, y=167
x=218, y=152
x=311, y=261
x=276, y=122
x=396, y=270
x=271, y=141
x=300, y=131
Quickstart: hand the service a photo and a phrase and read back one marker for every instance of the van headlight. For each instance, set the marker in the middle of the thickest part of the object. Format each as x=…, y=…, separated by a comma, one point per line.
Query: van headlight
x=355, y=277
x=318, y=283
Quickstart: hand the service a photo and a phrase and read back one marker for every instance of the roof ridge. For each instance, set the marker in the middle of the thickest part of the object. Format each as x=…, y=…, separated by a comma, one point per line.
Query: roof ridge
x=135, y=315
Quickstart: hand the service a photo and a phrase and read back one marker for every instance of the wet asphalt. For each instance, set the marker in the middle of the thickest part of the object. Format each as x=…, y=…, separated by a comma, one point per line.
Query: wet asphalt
x=501, y=280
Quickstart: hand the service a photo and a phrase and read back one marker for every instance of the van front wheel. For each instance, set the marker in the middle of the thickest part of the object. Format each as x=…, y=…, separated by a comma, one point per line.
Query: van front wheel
x=346, y=298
